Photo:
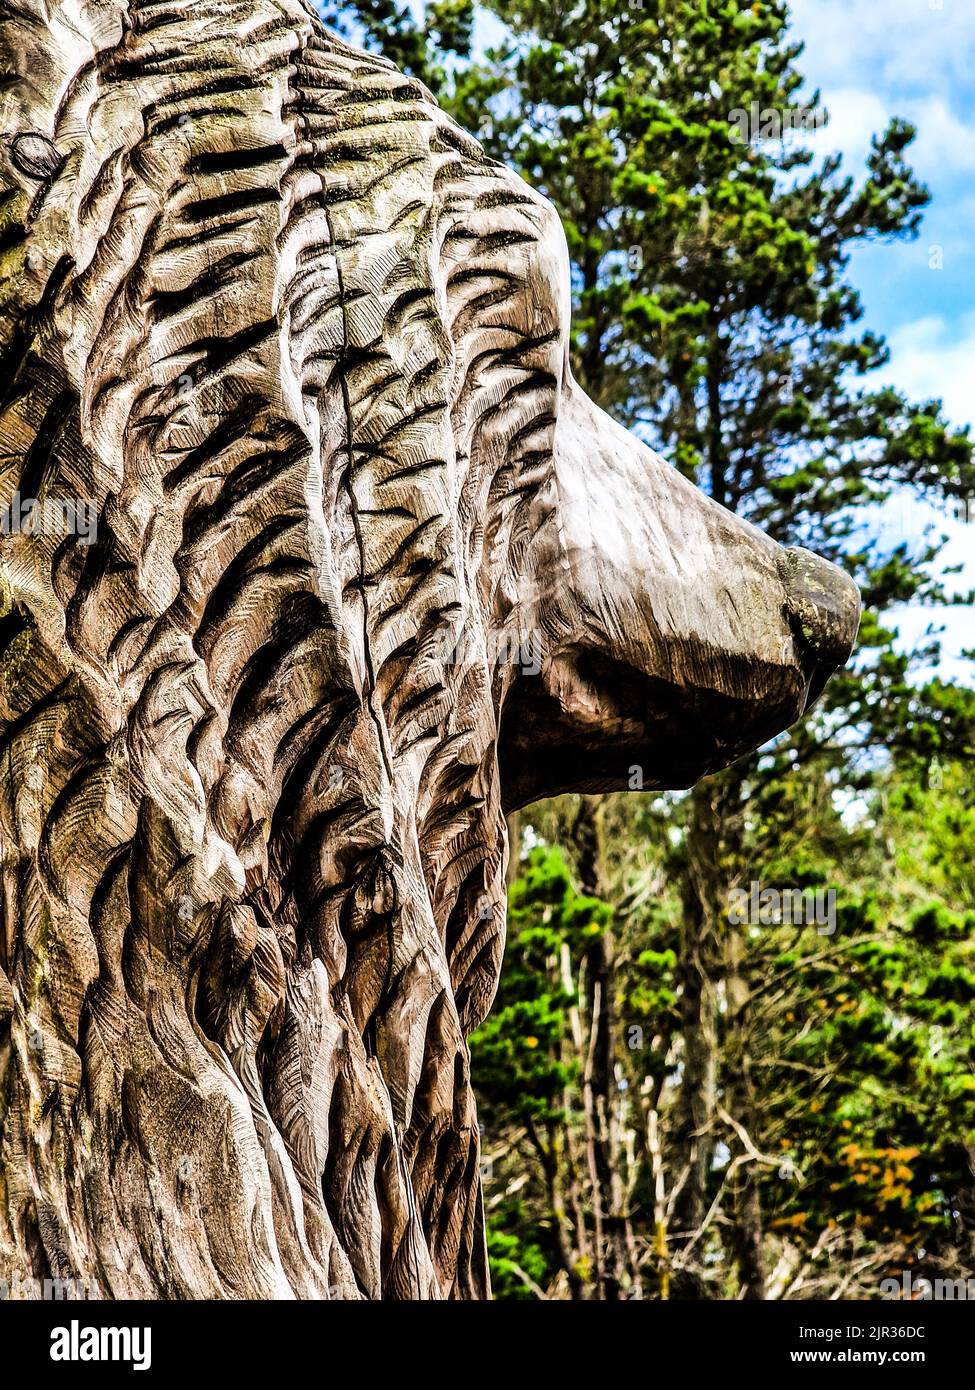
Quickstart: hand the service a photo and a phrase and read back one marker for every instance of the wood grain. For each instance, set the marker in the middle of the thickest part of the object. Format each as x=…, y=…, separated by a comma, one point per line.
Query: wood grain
x=301, y=349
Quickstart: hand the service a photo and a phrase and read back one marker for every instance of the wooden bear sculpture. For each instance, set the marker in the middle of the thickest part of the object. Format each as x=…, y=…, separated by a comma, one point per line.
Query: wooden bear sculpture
x=314, y=562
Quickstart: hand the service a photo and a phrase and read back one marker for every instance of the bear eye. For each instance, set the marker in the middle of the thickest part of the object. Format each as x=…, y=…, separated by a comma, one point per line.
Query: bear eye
x=35, y=155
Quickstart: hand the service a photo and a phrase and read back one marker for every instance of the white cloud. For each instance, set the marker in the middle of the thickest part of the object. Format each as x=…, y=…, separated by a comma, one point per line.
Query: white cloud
x=945, y=143
x=897, y=44
x=855, y=116
x=914, y=627
x=935, y=358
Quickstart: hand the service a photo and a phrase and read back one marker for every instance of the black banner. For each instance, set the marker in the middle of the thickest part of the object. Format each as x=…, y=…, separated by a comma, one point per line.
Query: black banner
x=75, y=1338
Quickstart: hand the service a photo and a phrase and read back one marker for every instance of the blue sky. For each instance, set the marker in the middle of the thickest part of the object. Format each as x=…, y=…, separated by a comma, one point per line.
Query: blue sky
x=912, y=58
x=916, y=59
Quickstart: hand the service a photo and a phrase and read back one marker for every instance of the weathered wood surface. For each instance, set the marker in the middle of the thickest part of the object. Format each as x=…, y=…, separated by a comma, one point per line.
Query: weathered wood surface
x=302, y=348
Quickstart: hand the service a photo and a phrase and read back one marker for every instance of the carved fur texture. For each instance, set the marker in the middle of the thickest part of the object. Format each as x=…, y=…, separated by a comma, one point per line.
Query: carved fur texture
x=299, y=348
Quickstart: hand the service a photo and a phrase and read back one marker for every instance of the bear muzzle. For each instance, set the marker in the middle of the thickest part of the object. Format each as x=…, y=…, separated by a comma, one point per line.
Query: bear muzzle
x=823, y=608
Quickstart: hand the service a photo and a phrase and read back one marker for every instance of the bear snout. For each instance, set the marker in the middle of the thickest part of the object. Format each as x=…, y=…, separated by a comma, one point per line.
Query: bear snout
x=822, y=606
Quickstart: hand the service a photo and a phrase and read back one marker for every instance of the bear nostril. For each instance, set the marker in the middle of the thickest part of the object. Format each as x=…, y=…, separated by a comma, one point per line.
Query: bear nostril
x=823, y=607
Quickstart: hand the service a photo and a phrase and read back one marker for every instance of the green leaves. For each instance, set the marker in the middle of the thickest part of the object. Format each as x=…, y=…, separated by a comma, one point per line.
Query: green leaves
x=427, y=48
x=518, y=1051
